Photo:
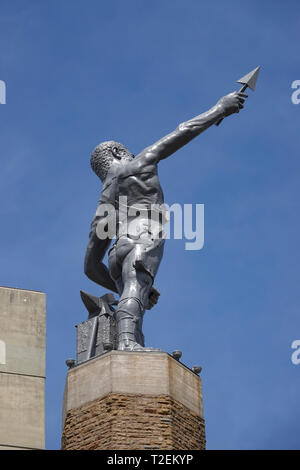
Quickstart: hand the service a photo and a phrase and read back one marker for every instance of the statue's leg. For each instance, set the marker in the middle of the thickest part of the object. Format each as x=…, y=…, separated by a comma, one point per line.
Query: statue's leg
x=132, y=304
x=133, y=266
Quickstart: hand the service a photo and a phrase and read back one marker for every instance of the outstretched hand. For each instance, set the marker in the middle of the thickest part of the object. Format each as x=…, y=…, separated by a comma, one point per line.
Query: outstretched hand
x=232, y=103
x=153, y=297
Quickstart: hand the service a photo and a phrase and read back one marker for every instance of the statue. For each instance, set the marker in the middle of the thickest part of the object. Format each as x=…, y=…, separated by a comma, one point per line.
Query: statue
x=131, y=186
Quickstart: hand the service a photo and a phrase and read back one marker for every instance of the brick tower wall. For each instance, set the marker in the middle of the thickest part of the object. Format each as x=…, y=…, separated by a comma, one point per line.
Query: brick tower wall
x=122, y=420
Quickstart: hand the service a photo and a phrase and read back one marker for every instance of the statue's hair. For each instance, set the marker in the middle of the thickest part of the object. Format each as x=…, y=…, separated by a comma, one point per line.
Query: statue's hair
x=102, y=158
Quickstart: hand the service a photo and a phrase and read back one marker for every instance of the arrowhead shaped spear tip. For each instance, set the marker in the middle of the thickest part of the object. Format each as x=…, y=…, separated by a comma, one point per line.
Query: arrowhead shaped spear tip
x=250, y=78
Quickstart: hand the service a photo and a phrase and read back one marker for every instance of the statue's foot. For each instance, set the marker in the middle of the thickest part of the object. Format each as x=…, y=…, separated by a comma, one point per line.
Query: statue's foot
x=129, y=345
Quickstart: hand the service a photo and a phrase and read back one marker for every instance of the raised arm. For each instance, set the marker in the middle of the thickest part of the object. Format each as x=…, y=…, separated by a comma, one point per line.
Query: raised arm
x=188, y=130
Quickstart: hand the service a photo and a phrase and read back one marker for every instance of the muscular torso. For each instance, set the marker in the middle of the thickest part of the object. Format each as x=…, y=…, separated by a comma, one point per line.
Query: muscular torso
x=140, y=184
x=130, y=188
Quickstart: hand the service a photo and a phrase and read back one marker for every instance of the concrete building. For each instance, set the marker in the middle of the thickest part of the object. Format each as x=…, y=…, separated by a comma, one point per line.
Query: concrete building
x=22, y=369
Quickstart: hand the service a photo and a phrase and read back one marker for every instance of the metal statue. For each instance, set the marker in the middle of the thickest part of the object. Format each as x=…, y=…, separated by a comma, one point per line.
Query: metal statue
x=131, y=186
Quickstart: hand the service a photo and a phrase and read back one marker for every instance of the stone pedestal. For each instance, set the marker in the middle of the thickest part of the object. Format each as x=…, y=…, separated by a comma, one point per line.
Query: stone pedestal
x=133, y=401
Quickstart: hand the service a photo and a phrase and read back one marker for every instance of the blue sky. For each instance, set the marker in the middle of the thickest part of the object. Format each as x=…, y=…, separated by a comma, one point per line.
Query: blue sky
x=80, y=72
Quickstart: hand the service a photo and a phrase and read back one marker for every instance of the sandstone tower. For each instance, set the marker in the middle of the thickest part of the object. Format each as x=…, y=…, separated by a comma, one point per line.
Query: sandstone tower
x=133, y=401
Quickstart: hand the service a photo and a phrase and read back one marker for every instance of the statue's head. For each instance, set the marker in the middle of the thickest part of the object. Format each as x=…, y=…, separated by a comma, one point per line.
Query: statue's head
x=107, y=154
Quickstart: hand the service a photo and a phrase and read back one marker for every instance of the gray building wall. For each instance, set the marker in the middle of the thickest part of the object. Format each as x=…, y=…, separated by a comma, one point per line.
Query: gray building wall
x=22, y=368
